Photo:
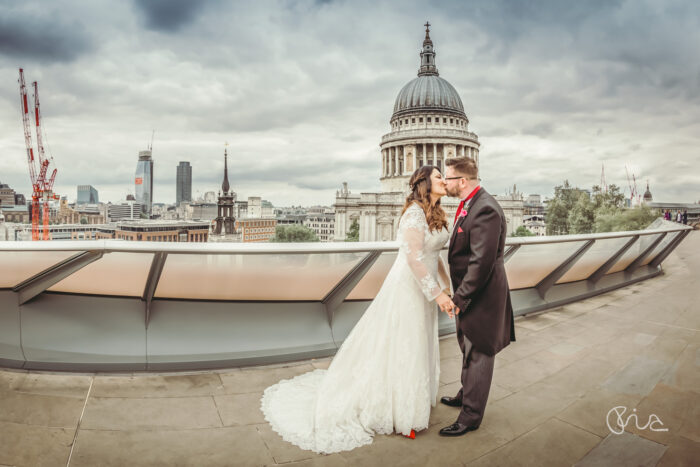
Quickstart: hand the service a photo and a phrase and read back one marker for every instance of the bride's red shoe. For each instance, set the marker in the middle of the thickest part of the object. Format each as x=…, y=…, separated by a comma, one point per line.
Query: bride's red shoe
x=412, y=435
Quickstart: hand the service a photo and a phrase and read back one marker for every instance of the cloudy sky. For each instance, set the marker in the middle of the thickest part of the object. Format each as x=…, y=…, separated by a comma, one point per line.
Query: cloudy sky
x=303, y=91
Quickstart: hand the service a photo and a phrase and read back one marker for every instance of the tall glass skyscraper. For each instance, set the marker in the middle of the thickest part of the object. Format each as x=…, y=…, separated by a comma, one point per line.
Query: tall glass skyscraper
x=183, y=189
x=87, y=194
x=143, y=183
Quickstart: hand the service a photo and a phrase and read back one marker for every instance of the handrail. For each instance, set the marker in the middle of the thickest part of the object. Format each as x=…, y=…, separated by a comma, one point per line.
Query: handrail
x=83, y=329
x=123, y=246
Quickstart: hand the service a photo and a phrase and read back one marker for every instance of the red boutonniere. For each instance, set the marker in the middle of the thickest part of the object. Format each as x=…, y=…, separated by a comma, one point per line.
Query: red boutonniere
x=463, y=213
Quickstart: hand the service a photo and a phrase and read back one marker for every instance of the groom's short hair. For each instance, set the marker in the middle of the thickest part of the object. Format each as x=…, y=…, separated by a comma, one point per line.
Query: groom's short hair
x=464, y=166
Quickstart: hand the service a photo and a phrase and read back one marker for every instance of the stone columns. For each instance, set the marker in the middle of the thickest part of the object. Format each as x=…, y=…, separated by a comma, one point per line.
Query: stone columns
x=425, y=155
x=434, y=153
x=396, y=160
x=410, y=158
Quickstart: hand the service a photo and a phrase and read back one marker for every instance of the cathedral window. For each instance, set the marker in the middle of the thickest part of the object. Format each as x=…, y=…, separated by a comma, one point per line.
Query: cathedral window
x=452, y=121
x=420, y=120
x=444, y=120
x=413, y=120
x=428, y=119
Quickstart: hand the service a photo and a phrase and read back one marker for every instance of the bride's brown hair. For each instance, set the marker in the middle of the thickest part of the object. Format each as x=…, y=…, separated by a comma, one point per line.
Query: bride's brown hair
x=420, y=185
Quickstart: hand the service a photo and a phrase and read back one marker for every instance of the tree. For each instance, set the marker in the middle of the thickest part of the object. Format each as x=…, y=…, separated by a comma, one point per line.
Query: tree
x=605, y=219
x=353, y=235
x=558, y=209
x=293, y=233
x=556, y=220
x=581, y=217
x=613, y=197
x=618, y=220
x=523, y=231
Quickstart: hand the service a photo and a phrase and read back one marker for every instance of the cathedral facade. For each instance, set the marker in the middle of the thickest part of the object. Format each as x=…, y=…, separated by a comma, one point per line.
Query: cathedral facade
x=428, y=126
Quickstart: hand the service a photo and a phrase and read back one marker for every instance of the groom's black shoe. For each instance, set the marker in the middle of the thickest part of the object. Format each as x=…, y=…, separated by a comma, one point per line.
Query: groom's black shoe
x=451, y=401
x=457, y=429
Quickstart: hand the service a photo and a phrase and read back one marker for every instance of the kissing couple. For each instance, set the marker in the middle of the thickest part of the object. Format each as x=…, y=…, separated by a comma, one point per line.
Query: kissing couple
x=385, y=376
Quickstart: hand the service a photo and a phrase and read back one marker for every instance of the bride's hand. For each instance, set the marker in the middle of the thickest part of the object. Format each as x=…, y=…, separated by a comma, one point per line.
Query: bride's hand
x=445, y=303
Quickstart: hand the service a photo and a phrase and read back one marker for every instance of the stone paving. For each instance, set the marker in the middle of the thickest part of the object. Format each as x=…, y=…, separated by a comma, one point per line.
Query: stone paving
x=636, y=348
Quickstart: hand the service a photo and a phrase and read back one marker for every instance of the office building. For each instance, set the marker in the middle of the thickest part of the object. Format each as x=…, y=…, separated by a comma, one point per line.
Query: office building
x=183, y=188
x=87, y=194
x=143, y=182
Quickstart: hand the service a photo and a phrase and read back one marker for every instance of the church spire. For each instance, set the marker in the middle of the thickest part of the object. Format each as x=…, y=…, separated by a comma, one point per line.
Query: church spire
x=225, y=186
x=427, y=55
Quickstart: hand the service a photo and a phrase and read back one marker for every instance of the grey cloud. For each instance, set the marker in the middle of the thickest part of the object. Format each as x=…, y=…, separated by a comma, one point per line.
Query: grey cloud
x=304, y=90
x=169, y=15
x=41, y=35
x=542, y=129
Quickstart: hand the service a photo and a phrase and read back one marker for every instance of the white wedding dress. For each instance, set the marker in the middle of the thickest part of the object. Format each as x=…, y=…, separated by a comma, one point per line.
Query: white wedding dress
x=385, y=376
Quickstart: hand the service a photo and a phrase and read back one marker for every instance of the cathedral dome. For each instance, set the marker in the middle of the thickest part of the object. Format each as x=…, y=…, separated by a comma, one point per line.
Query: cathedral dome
x=428, y=92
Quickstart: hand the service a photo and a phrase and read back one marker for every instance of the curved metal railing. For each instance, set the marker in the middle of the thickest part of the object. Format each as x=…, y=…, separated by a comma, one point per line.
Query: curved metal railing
x=116, y=305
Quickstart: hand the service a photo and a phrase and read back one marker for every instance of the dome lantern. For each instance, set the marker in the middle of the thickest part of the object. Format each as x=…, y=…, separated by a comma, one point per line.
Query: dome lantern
x=427, y=56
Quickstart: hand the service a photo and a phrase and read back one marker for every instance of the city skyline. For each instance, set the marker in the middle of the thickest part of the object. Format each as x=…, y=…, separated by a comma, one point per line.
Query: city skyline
x=304, y=91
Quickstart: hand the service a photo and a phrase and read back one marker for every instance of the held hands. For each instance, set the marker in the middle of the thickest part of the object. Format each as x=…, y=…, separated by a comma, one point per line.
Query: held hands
x=447, y=305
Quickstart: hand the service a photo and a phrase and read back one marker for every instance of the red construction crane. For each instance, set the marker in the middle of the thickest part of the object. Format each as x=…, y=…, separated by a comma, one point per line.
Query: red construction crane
x=635, y=197
x=48, y=184
x=42, y=190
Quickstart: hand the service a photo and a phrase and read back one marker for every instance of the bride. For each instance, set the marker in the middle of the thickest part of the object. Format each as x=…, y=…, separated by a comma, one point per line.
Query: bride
x=385, y=376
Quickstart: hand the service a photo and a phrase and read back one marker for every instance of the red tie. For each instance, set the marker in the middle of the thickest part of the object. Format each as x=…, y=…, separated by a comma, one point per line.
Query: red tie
x=459, y=209
x=461, y=204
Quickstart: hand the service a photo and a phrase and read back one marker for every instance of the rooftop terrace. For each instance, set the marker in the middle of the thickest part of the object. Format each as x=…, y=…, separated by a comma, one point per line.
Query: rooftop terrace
x=635, y=347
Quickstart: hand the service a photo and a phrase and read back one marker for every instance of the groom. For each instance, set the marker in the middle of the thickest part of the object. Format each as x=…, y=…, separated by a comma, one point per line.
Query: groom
x=481, y=293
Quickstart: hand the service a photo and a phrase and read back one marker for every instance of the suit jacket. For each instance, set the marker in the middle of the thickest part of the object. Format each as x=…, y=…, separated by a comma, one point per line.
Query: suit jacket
x=479, y=277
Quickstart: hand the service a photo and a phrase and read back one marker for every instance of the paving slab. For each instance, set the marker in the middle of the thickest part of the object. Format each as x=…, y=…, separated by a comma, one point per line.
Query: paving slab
x=678, y=410
x=639, y=376
x=240, y=409
x=34, y=409
x=682, y=452
x=257, y=379
x=30, y=445
x=53, y=384
x=112, y=413
x=144, y=386
x=624, y=450
x=552, y=443
x=206, y=447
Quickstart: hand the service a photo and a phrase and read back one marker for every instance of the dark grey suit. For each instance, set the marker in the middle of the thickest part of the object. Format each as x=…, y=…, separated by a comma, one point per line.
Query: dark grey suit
x=485, y=323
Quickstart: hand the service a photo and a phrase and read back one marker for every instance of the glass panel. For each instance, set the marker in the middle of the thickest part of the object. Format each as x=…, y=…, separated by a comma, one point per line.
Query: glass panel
x=369, y=285
x=660, y=247
x=597, y=254
x=17, y=266
x=532, y=263
x=116, y=273
x=634, y=251
x=254, y=277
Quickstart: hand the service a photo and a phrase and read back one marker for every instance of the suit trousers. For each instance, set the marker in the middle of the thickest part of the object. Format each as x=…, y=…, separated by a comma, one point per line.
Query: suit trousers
x=477, y=371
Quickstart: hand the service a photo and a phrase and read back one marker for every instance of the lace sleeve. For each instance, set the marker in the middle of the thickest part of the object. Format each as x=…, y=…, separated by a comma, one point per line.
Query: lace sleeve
x=412, y=231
